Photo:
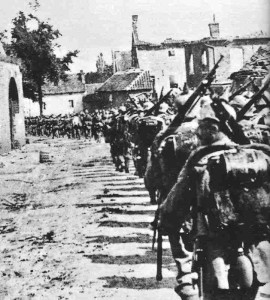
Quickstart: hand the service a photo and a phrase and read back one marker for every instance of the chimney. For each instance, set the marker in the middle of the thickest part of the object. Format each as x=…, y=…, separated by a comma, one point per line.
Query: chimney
x=82, y=76
x=135, y=28
x=214, y=29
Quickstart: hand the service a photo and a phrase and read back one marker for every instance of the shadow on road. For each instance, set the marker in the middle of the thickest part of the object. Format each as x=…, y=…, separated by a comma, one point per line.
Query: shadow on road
x=138, y=283
x=139, y=238
x=124, y=224
x=150, y=257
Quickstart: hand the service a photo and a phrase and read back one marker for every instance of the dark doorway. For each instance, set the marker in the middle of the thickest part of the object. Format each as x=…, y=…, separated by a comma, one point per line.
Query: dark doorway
x=13, y=109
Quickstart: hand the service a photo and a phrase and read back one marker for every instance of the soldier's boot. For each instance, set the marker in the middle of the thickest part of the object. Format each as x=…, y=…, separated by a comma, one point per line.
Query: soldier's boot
x=152, y=195
x=117, y=164
x=121, y=163
x=127, y=163
x=186, y=288
x=178, y=248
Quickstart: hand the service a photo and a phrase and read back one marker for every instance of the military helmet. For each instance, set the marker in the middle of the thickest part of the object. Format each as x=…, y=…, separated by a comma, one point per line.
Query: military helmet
x=207, y=112
x=122, y=108
x=180, y=99
x=226, y=94
x=238, y=101
x=163, y=108
x=247, y=94
x=114, y=111
x=147, y=105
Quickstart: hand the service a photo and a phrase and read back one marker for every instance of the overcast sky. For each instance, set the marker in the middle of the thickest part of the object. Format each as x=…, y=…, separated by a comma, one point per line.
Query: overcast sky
x=94, y=26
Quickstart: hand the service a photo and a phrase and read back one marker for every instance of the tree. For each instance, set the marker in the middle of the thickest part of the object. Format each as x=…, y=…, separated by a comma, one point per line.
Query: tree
x=103, y=72
x=35, y=47
x=100, y=63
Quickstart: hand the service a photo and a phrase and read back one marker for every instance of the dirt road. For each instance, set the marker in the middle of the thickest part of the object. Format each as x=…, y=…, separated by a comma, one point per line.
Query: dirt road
x=75, y=228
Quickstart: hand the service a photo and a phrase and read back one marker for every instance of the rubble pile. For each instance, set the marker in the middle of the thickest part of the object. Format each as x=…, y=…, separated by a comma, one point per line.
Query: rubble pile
x=258, y=65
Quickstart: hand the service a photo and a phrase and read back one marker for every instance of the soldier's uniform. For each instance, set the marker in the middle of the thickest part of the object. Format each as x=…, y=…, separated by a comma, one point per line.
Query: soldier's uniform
x=111, y=133
x=97, y=126
x=122, y=141
x=202, y=179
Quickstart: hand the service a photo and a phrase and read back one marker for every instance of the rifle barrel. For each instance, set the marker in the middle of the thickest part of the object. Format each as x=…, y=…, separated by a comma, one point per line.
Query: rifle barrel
x=241, y=89
x=159, y=256
x=253, y=99
x=191, y=101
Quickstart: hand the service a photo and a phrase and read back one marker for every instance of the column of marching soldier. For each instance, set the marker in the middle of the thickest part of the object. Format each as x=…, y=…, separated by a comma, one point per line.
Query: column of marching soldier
x=78, y=125
x=205, y=160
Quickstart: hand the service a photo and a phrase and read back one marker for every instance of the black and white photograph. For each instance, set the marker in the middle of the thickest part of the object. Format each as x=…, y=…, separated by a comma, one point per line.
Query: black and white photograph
x=135, y=149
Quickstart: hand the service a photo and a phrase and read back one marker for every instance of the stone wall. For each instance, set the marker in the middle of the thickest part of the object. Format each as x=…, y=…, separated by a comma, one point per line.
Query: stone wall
x=12, y=128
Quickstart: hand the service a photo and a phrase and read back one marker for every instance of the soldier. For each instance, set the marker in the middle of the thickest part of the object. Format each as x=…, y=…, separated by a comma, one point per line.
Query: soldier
x=97, y=126
x=76, y=126
x=112, y=137
x=87, y=124
x=192, y=190
x=256, y=121
x=123, y=141
x=55, y=126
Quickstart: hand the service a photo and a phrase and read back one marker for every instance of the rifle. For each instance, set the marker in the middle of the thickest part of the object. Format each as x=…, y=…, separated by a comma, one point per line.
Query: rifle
x=241, y=89
x=157, y=105
x=133, y=102
x=160, y=97
x=159, y=245
x=154, y=223
x=193, y=99
x=254, y=99
x=198, y=263
x=159, y=256
x=228, y=124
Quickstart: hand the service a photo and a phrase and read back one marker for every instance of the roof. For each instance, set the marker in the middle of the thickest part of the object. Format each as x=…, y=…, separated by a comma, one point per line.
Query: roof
x=225, y=40
x=163, y=45
x=133, y=79
x=257, y=65
x=71, y=85
x=92, y=88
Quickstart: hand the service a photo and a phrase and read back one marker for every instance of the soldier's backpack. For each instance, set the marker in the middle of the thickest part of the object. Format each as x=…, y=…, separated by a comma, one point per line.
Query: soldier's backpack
x=234, y=186
x=148, y=128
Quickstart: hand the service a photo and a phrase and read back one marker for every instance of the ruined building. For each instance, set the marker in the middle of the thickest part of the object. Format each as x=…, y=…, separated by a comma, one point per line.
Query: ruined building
x=178, y=61
x=165, y=61
x=201, y=55
x=12, y=130
x=257, y=67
